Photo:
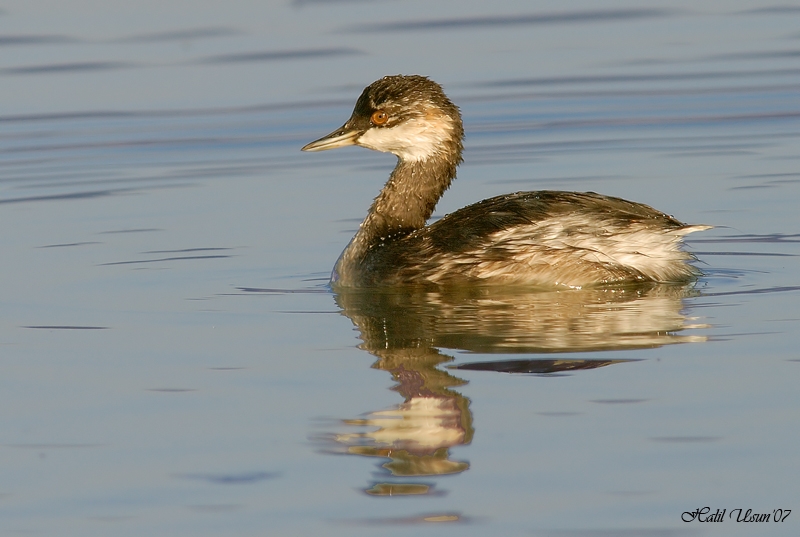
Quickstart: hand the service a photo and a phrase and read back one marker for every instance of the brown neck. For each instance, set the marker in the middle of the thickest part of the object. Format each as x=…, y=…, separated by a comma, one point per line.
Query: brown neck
x=404, y=205
x=408, y=198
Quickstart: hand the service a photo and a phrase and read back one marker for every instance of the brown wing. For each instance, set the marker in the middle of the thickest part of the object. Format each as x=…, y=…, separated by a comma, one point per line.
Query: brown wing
x=455, y=238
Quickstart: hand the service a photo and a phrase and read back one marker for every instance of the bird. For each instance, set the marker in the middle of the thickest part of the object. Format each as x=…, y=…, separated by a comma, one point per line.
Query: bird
x=549, y=239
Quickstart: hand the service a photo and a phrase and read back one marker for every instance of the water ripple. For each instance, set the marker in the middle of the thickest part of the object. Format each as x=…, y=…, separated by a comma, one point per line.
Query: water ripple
x=496, y=21
x=76, y=67
x=268, y=56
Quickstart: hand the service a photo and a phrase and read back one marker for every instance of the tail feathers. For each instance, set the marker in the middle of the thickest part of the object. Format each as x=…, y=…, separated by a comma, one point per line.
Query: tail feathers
x=685, y=230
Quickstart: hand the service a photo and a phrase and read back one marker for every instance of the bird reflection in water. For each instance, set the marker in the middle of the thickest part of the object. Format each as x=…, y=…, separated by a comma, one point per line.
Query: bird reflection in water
x=405, y=328
x=416, y=435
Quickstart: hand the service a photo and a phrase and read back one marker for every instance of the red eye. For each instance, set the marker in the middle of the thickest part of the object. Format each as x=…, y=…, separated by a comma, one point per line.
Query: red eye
x=379, y=117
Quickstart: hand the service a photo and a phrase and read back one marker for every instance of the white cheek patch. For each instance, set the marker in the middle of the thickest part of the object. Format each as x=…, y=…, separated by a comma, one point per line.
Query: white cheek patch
x=413, y=140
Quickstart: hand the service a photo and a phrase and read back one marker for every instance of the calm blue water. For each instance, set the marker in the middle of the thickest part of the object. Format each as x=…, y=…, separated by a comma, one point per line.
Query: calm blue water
x=173, y=363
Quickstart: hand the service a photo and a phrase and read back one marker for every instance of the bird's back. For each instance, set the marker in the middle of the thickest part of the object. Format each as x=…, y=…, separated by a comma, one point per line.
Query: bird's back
x=540, y=238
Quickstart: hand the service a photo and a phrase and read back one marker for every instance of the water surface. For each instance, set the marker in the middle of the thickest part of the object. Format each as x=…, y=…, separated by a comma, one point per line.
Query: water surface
x=173, y=362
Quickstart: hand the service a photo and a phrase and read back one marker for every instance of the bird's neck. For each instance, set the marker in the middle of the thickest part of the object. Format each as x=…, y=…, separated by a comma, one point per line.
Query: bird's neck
x=408, y=198
x=404, y=205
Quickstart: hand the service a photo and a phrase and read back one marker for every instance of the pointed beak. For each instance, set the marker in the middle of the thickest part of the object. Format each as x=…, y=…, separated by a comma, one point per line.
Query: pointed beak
x=341, y=137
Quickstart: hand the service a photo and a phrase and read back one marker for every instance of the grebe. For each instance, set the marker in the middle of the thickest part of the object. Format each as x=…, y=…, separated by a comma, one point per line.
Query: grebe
x=545, y=238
